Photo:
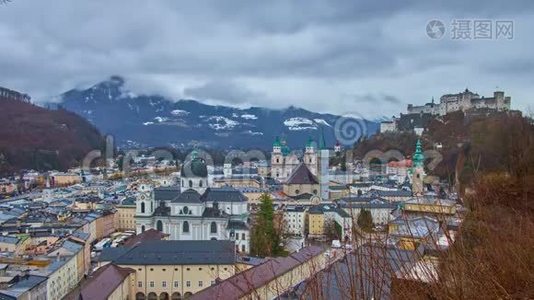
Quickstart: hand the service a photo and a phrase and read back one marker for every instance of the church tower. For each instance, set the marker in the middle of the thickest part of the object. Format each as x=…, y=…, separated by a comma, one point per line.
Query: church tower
x=310, y=156
x=194, y=174
x=418, y=170
x=277, y=160
x=323, y=165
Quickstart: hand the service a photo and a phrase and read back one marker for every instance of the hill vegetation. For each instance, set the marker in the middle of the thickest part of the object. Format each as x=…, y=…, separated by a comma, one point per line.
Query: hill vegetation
x=32, y=137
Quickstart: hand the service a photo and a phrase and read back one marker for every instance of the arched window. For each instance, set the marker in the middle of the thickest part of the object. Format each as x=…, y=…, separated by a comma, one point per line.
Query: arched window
x=190, y=183
x=152, y=296
x=143, y=228
x=142, y=207
x=159, y=225
x=164, y=296
x=200, y=183
x=176, y=296
x=185, y=210
x=277, y=160
x=213, y=227
x=187, y=295
x=139, y=296
x=185, y=227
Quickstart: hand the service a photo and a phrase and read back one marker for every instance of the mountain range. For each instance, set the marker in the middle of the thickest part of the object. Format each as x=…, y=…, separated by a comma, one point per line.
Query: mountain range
x=153, y=120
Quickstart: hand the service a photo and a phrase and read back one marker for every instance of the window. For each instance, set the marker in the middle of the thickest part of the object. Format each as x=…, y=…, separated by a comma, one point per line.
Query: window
x=142, y=207
x=213, y=227
x=185, y=210
x=188, y=283
x=200, y=269
x=185, y=227
x=140, y=284
x=152, y=284
x=164, y=284
x=200, y=183
x=243, y=248
x=190, y=183
x=175, y=284
x=200, y=284
x=243, y=236
x=159, y=225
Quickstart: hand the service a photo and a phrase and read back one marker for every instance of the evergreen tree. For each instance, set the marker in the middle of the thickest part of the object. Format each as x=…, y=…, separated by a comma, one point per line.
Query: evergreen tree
x=265, y=238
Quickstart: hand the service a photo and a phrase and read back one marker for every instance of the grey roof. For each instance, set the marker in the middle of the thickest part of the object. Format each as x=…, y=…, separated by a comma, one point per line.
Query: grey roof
x=237, y=225
x=21, y=285
x=302, y=175
x=396, y=193
x=189, y=196
x=224, y=194
x=81, y=235
x=211, y=212
x=9, y=239
x=166, y=193
x=165, y=252
x=128, y=201
x=110, y=254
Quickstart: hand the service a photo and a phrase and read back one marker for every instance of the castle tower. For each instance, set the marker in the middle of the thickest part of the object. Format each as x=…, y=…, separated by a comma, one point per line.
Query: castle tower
x=310, y=156
x=418, y=170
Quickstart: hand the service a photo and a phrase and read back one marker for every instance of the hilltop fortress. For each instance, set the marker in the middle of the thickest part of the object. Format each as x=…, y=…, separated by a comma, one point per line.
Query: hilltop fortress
x=465, y=101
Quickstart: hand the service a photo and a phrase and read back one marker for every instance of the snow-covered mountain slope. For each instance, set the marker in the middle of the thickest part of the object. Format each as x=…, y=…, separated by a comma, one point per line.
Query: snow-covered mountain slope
x=153, y=120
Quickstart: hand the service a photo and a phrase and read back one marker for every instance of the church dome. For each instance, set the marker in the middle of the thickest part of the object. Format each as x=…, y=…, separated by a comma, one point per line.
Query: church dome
x=195, y=167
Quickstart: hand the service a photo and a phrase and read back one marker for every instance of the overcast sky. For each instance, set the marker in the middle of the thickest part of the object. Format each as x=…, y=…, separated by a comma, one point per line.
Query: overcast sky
x=328, y=56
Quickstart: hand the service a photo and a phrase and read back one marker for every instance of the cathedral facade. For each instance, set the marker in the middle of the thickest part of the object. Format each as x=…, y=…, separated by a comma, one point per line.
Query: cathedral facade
x=284, y=162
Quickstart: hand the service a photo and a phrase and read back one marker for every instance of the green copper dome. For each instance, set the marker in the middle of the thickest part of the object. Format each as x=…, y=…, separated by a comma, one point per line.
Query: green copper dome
x=277, y=142
x=195, y=167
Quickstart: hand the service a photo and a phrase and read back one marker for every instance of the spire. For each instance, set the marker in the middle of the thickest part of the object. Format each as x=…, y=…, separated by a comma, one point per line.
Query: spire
x=322, y=143
x=418, y=157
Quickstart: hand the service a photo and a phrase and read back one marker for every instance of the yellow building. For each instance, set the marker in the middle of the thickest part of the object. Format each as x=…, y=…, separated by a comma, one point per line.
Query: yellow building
x=172, y=269
x=269, y=279
x=430, y=206
x=64, y=179
x=16, y=244
x=126, y=214
x=316, y=221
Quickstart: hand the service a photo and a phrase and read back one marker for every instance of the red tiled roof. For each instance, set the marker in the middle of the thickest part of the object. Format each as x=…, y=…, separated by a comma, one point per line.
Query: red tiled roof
x=249, y=280
x=101, y=283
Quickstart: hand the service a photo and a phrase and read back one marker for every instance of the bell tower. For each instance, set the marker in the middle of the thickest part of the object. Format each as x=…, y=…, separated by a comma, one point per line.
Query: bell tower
x=418, y=170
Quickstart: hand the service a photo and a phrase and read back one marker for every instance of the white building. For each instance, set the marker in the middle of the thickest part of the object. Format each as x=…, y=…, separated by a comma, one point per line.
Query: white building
x=195, y=211
x=294, y=220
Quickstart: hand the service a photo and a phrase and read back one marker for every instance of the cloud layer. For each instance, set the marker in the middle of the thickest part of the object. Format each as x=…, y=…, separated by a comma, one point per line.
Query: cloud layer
x=369, y=57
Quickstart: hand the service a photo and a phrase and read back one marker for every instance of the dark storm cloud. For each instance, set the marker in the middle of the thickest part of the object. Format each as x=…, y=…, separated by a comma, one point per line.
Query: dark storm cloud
x=272, y=53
